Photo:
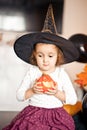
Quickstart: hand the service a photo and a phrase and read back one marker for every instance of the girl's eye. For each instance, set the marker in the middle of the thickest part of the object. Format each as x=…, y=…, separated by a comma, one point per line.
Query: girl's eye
x=50, y=56
x=39, y=55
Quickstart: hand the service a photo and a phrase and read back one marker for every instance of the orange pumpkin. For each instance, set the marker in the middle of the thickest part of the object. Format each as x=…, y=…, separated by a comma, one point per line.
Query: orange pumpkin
x=46, y=82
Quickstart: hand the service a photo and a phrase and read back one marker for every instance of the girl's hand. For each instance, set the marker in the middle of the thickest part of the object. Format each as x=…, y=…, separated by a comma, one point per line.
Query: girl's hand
x=53, y=90
x=37, y=88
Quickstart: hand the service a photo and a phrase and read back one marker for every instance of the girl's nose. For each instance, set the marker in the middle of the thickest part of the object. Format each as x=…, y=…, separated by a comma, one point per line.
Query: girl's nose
x=45, y=59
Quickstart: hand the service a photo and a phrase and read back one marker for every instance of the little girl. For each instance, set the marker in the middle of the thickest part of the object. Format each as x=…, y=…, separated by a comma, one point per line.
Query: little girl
x=46, y=52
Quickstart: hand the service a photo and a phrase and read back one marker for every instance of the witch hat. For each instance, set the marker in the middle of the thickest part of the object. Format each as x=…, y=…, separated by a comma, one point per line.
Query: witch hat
x=24, y=45
x=49, y=23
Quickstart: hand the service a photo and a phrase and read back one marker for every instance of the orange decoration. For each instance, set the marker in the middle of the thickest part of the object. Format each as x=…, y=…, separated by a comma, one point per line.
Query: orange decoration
x=73, y=109
x=46, y=82
x=82, y=78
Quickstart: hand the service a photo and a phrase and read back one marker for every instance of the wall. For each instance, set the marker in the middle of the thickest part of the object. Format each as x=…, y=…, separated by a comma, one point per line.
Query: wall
x=12, y=69
x=75, y=17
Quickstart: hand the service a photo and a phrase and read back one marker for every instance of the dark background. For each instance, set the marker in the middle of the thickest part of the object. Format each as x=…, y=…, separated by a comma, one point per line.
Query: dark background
x=34, y=12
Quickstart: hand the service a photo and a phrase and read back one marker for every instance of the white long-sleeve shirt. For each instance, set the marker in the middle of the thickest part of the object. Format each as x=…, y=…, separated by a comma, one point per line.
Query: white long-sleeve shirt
x=44, y=100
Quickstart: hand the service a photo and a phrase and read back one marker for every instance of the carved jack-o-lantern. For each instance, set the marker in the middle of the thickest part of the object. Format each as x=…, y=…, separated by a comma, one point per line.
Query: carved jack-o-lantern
x=46, y=82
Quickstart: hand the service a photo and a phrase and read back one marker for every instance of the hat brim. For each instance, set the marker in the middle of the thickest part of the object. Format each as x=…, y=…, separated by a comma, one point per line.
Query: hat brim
x=24, y=45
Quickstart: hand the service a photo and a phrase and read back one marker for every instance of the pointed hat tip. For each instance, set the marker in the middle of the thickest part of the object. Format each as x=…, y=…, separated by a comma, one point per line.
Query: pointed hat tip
x=49, y=23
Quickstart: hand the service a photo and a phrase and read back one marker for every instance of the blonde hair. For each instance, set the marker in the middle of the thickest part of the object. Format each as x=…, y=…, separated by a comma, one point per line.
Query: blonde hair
x=60, y=58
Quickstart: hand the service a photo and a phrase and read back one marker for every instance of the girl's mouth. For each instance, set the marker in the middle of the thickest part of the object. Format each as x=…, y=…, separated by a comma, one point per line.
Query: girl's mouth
x=45, y=64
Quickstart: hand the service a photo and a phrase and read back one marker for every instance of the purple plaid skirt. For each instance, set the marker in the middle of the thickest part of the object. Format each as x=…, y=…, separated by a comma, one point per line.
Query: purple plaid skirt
x=37, y=118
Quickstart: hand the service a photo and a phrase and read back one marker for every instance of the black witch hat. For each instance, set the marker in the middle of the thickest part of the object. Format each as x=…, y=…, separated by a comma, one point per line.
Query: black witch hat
x=49, y=23
x=24, y=45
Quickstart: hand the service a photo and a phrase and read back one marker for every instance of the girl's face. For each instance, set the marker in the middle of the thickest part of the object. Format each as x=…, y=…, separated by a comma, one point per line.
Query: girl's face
x=46, y=57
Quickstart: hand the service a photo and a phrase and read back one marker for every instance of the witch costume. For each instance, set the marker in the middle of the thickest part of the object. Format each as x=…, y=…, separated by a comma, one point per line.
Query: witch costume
x=45, y=112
